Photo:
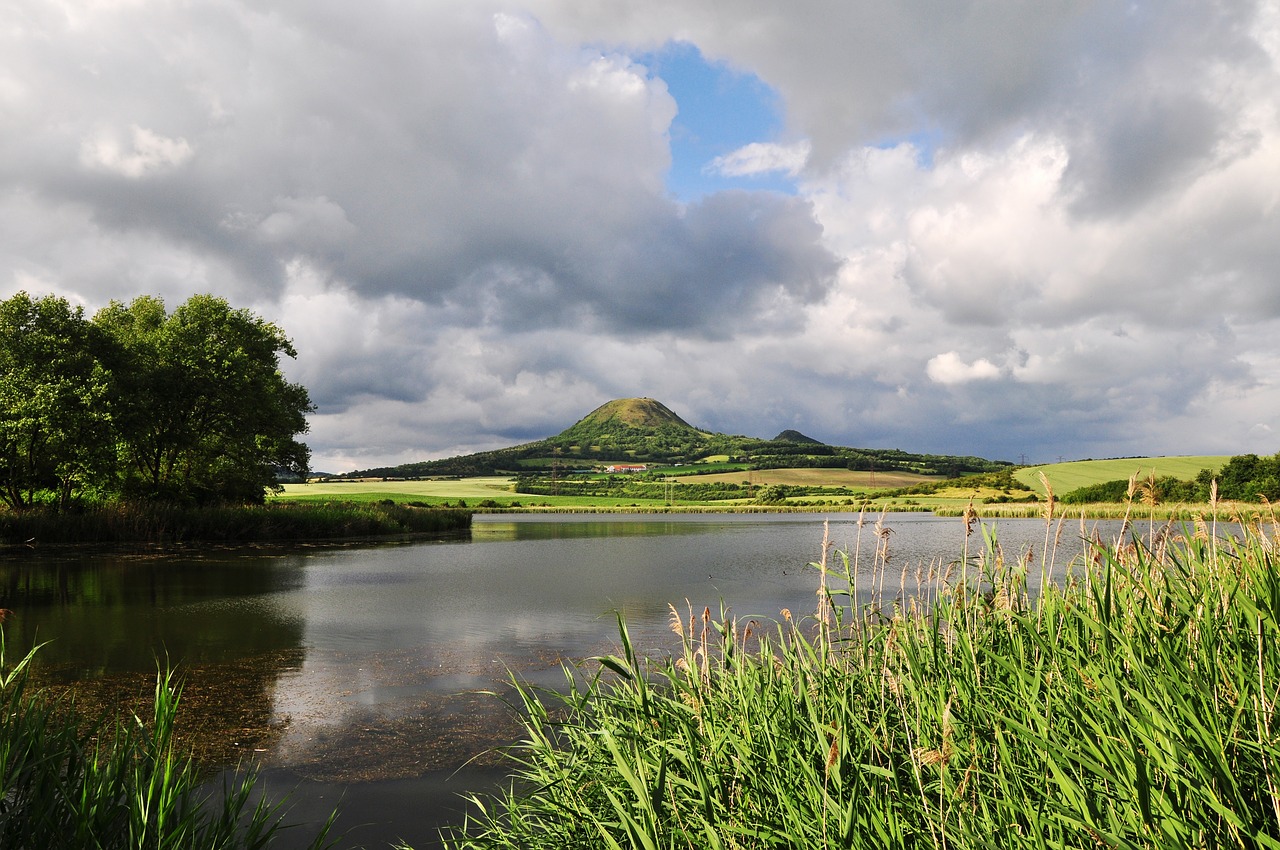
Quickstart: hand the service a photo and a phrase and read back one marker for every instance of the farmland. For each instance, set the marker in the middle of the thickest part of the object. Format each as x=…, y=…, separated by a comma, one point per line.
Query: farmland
x=1065, y=477
x=807, y=477
x=677, y=487
x=486, y=487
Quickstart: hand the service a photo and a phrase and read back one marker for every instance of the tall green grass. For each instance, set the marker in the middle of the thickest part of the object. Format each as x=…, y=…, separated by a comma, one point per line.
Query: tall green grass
x=74, y=783
x=1131, y=704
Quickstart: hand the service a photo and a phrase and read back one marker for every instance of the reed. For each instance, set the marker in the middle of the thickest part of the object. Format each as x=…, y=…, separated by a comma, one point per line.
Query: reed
x=1131, y=703
x=71, y=782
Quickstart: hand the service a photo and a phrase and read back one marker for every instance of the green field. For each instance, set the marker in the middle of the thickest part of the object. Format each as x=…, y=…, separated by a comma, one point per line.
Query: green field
x=497, y=490
x=1065, y=477
x=494, y=488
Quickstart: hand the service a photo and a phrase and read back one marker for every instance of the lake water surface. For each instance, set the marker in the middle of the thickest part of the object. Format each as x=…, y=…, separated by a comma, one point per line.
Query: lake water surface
x=353, y=675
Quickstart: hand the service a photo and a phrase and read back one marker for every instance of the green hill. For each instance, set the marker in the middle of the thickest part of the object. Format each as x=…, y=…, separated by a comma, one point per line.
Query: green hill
x=790, y=436
x=1191, y=479
x=632, y=429
x=643, y=430
x=632, y=413
x=1072, y=475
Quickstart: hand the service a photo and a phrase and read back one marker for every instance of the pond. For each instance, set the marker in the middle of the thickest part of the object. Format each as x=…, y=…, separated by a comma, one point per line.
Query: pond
x=358, y=676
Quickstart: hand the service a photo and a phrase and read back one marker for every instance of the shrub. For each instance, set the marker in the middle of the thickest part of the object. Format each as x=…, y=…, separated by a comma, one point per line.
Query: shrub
x=278, y=521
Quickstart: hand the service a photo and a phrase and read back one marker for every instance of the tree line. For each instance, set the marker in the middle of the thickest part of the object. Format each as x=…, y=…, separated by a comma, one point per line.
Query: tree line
x=137, y=403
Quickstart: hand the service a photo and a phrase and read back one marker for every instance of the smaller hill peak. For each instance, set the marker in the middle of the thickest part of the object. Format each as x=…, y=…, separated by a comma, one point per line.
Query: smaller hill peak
x=790, y=436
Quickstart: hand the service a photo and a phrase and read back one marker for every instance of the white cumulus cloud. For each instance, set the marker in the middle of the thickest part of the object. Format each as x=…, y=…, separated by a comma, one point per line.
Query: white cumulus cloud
x=146, y=152
x=950, y=368
x=762, y=158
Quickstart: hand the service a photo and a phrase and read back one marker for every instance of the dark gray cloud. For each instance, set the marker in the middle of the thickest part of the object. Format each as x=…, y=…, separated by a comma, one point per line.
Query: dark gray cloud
x=1141, y=148
x=856, y=73
x=421, y=153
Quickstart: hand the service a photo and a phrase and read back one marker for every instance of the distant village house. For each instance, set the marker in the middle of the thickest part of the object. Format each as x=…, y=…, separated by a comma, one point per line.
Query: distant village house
x=627, y=467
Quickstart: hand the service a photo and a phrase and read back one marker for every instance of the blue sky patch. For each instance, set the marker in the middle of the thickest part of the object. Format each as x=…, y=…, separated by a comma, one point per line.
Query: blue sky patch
x=720, y=110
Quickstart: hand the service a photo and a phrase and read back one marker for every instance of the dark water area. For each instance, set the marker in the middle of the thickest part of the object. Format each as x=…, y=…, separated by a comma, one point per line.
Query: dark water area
x=357, y=676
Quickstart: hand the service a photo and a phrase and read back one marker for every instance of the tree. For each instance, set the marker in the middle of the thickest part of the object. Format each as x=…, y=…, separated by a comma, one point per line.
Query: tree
x=201, y=409
x=1239, y=478
x=54, y=431
x=775, y=494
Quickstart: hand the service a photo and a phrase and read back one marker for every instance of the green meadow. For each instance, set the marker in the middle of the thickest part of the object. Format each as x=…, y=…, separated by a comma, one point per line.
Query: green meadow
x=428, y=491
x=1071, y=475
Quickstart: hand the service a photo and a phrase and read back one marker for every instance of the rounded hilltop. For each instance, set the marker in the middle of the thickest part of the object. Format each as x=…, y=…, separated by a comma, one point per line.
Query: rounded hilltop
x=790, y=436
x=639, y=429
x=635, y=412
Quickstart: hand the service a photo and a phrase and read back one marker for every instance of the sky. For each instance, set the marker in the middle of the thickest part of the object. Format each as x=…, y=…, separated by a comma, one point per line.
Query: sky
x=1024, y=231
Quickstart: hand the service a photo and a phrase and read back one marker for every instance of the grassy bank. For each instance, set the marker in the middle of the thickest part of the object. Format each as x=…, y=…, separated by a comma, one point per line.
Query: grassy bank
x=1132, y=705
x=276, y=521
x=68, y=782
x=1248, y=513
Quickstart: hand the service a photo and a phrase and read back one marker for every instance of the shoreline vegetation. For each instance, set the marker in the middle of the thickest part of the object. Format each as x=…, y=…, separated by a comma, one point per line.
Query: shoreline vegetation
x=287, y=521
x=1131, y=704
x=276, y=522
x=1242, y=512
x=284, y=521
x=1235, y=512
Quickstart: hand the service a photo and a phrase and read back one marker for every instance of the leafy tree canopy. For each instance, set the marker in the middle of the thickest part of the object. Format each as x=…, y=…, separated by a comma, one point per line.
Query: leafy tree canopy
x=54, y=429
x=202, y=409
x=138, y=403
